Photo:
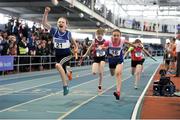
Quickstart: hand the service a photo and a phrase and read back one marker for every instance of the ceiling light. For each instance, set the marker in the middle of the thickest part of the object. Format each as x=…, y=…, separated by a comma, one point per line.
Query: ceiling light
x=67, y=13
x=98, y=23
x=81, y=15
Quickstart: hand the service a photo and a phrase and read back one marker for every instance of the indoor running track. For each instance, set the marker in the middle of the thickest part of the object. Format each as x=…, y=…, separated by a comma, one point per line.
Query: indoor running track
x=38, y=95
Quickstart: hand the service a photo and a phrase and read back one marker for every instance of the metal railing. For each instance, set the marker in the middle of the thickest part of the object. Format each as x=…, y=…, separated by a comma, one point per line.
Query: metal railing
x=157, y=52
x=36, y=63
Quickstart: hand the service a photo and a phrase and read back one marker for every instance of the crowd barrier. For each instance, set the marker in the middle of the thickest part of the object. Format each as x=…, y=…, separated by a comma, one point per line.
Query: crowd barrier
x=37, y=63
x=33, y=63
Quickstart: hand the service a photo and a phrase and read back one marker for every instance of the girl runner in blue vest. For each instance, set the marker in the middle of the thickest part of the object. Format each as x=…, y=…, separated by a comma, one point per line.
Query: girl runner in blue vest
x=62, y=40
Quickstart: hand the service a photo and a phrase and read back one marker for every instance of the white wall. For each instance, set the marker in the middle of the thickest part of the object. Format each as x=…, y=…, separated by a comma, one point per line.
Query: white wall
x=147, y=40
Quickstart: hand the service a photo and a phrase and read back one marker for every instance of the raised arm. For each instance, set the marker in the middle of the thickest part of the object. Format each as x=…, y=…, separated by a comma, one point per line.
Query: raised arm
x=126, y=53
x=44, y=19
x=75, y=44
x=146, y=52
x=75, y=49
x=90, y=47
x=127, y=42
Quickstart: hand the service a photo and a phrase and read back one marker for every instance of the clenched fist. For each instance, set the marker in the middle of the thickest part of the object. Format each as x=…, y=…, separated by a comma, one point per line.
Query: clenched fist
x=47, y=9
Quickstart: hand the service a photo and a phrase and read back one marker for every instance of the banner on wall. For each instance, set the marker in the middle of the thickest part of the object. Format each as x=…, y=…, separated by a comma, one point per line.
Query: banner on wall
x=6, y=63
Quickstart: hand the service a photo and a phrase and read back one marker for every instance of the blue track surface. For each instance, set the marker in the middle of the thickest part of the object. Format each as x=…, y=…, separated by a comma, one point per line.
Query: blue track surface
x=38, y=95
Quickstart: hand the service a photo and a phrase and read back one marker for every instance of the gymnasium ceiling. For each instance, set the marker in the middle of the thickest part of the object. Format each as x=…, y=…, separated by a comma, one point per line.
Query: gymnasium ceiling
x=33, y=10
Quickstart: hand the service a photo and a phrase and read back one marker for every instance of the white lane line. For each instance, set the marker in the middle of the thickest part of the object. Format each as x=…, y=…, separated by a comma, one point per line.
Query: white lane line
x=28, y=88
x=20, y=82
x=46, y=96
x=85, y=102
x=31, y=74
x=39, y=85
x=6, y=109
x=51, y=94
x=136, y=108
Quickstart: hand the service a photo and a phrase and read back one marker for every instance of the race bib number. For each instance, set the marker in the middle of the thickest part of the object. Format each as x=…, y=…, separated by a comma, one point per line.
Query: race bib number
x=138, y=54
x=100, y=53
x=115, y=52
x=59, y=44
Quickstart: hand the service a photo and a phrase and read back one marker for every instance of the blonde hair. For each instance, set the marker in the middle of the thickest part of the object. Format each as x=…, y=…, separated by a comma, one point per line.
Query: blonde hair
x=100, y=31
